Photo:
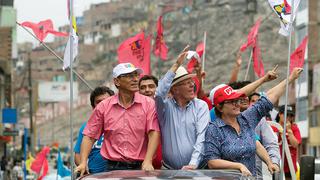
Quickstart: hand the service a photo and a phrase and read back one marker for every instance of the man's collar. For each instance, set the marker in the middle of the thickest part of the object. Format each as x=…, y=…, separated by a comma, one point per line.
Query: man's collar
x=137, y=98
x=189, y=103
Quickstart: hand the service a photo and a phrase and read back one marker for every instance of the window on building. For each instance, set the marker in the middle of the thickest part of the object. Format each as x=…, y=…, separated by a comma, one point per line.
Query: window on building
x=44, y=62
x=313, y=119
x=310, y=83
x=303, y=5
x=301, y=33
x=301, y=109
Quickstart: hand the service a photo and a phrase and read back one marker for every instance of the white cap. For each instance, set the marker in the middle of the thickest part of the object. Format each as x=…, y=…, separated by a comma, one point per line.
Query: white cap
x=193, y=54
x=213, y=91
x=125, y=68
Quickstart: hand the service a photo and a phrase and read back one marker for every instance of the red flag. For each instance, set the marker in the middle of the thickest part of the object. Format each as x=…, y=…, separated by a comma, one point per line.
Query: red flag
x=200, y=49
x=41, y=163
x=160, y=48
x=45, y=169
x=257, y=60
x=191, y=64
x=42, y=29
x=287, y=7
x=136, y=50
x=251, y=39
x=297, y=57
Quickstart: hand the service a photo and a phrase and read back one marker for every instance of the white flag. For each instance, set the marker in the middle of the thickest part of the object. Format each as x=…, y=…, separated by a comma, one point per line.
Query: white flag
x=283, y=10
x=66, y=57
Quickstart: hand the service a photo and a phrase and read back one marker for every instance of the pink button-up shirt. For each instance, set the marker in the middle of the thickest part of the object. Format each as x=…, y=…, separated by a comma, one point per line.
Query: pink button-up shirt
x=125, y=130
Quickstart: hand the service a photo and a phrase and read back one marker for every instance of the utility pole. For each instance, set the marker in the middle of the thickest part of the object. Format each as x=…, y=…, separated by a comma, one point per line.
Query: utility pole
x=30, y=105
x=251, y=11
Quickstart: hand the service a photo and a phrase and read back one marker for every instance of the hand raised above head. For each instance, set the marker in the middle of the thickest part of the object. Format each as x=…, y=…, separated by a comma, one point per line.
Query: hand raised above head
x=239, y=59
x=271, y=75
x=295, y=74
x=182, y=55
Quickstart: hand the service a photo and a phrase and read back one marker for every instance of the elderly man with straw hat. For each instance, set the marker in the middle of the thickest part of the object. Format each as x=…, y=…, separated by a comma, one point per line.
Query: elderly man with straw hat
x=183, y=118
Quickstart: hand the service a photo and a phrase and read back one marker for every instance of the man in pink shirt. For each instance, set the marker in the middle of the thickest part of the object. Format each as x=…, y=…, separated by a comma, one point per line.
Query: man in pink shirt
x=129, y=123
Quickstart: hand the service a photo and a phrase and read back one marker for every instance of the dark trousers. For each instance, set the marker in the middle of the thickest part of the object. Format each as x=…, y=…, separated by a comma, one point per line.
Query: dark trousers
x=118, y=165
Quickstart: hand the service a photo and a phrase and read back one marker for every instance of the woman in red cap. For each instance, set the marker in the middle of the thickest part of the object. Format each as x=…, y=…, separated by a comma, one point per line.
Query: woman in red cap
x=230, y=139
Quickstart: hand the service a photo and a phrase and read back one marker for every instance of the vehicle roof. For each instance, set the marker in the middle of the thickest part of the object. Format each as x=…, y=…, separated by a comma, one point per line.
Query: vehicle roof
x=167, y=174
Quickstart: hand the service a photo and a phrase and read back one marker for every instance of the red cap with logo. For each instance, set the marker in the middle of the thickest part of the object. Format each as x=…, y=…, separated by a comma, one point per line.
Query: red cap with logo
x=222, y=93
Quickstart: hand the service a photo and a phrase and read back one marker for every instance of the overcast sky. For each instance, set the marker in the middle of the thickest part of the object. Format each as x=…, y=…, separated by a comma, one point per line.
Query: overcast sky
x=37, y=10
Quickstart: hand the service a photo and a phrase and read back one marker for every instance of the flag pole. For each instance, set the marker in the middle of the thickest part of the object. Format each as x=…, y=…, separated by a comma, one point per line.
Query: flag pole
x=56, y=55
x=159, y=65
x=248, y=67
x=71, y=32
x=204, y=53
x=284, y=140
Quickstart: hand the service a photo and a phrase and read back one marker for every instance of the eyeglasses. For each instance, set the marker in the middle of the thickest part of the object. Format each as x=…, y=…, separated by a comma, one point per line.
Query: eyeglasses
x=191, y=82
x=129, y=75
x=244, y=101
x=235, y=102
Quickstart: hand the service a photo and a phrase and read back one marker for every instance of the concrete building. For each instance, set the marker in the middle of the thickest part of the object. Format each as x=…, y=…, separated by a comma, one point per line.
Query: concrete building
x=8, y=52
x=308, y=104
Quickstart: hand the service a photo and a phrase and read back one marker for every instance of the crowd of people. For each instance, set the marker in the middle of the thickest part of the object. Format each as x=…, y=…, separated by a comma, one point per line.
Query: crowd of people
x=173, y=124
x=11, y=168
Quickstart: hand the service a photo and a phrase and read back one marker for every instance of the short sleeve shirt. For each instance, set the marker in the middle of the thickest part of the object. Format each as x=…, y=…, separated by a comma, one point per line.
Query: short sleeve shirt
x=125, y=129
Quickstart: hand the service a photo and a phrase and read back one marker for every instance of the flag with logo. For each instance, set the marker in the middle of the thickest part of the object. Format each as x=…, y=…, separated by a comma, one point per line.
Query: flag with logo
x=160, y=47
x=136, y=50
x=282, y=8
x=42, y=29
x=297, y=57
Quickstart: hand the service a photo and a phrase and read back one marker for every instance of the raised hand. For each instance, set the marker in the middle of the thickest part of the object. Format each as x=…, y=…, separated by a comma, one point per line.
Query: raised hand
x=271, y=75
x=239, y=59
x=295, y=74
x=182, y=55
